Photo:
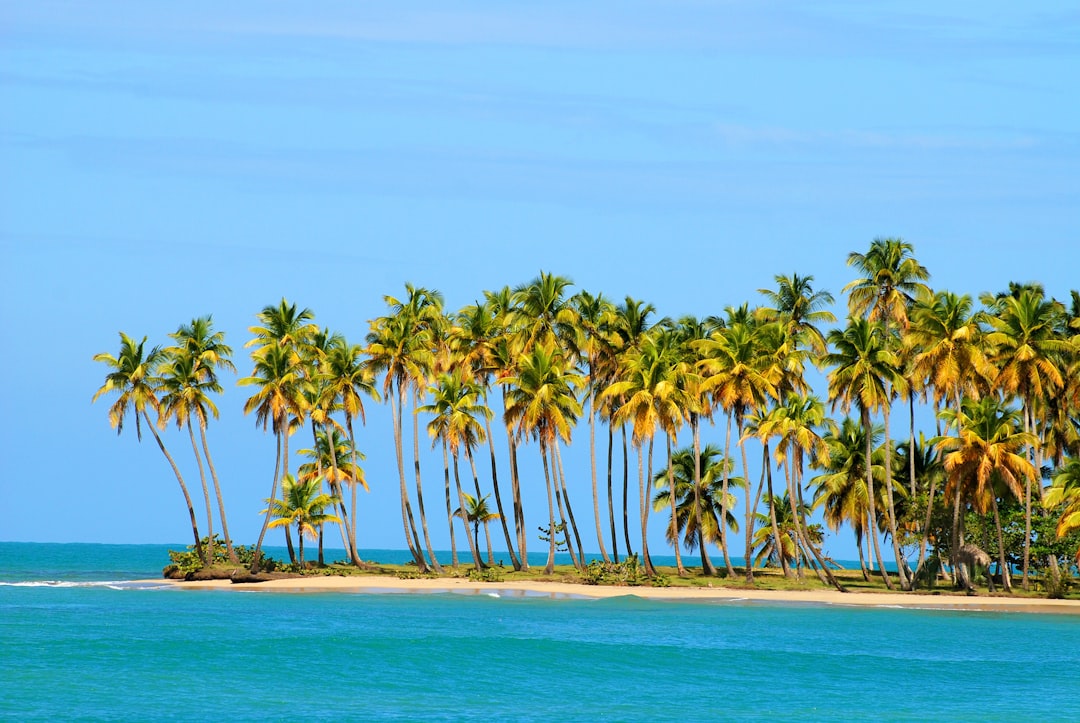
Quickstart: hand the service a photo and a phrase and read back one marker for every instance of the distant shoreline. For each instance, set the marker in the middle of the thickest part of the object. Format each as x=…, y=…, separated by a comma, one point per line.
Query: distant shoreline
x=376, y=584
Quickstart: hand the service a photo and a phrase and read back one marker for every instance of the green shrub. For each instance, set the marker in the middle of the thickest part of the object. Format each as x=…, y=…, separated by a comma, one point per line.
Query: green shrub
x=487, y=574
x=188, y=560
x=597, y=572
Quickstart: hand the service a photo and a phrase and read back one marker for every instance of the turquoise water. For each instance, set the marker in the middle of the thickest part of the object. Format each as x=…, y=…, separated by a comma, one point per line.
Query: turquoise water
x=110, y=651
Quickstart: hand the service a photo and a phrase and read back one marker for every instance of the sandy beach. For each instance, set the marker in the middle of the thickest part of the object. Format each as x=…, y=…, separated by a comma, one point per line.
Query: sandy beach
x=390, y=584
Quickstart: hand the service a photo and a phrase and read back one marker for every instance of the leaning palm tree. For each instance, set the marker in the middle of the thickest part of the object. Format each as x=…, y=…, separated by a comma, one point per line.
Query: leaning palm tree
x=332, y=458
x=131, y=379
x=208, y=353
x=302, y=504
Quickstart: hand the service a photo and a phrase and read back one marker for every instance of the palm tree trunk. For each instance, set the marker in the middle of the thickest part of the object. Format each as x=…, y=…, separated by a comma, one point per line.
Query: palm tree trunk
x=610, y=500
x=777, y=542
x=406, y=509
x=625, y=493
x=449, y=506
x=217, y=491
x=209, y=559
x=646, y=559
x=300, y=541
x=959, y=578
x=749, y=507
x=476, y=481
x=559, y=495
x=322, y=560
x=729, y=570
x=487, y=538
x=335, y=490
x=674, y=512
x=352, y=493
x=550, y=567
x=1024, y=581
x=592, y=464
x=463, y=509
x=257, y=557
x=873, y=529
x=288, y=544
x=925, y=537
x=183, y=487
x=566, y=499
x=795, y=517
x=1005, y=581
x=707, y=568
x=515, y=493
x=498, y=497
x=419, y=487
x=901, y=567
x=862, y=558
x=911, y=443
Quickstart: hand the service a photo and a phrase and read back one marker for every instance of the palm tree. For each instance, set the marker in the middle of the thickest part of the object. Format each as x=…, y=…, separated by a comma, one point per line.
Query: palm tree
x=208, y=353
x=302, y=504
x=653, y=400
x=987, y=447
x=783, y=548
x=1027, y=351
x=476, y=512
x=132, y=379
x=330, y=446
x=865, y=371
x=473, y=339
x=698, y=513
x=799, y=309
x=279, y=395
x=738, y=376
x=348, y=380
x=892, y=280
x=541, y=403
x=456, y=406
x=185, y=401
x=840, y=490
x=1065, y=494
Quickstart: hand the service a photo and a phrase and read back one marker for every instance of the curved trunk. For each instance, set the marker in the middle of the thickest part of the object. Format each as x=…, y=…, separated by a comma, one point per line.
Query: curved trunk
x=498, y=497
x=515, y=493
x=335, y=490
x=626, y=492
x=352, y=494
x=183, y=487
x=1006, y=582
x=566, y=499
x=777, y=542
x=729, y=571
x=707, y=568
x=257, y=557
x=749, y=507
x=646, y=559
x=610, y=500
x=901, y=566
x=462, y=507
x=559, y=495
x=797, y=537
x=209, y=559
x=419, y=488
x=449, y=506
x=550, y=567
x=476, y=481
x=592, y=465
x=674, y=512
x=873, y=528
x=406, y=509
x=217, y=491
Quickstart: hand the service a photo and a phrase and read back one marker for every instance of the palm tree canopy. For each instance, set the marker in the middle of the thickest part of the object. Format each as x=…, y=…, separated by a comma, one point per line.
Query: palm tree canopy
x=891, y=281
x=864, y=370
x=302, y=503
x=798, y=307
x=132, y=379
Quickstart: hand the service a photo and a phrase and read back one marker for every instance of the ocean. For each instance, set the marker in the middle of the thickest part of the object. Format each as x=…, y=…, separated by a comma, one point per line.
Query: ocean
x=79, y=641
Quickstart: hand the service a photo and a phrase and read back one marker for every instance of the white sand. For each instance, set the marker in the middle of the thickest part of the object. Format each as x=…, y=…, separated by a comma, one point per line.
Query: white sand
x=387, y=584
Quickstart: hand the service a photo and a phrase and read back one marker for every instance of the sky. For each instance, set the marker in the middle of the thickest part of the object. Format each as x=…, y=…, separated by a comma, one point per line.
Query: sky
x=162, y=161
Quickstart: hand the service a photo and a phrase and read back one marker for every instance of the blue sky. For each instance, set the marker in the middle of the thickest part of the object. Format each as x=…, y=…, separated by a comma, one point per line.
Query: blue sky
x=162, y=161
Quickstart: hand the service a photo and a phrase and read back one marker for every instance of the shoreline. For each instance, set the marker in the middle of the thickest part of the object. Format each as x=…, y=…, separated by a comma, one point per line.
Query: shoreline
x=383, y=584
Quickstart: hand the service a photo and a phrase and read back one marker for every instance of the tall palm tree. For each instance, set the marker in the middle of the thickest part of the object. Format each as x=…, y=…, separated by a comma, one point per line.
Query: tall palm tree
x=131, y=378
x=348, y=379
x=184, y=400
x=456, y=408
x=542, y=403
x=738, y=376
x=701, y=526
x=799, y=309
x=987, y=446
x=892, y=279
x=1027, y=349
x=303, y=504
x=653, y=401
x=864, y=373
x=208, y=353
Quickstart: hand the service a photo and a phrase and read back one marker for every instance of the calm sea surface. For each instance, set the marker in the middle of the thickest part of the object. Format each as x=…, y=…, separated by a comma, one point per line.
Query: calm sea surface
x=76, y=642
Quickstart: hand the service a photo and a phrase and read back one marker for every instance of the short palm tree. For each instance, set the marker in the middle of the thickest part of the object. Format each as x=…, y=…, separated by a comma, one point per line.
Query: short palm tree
x=477, y=513
x=1064, y=495
x=302, y=504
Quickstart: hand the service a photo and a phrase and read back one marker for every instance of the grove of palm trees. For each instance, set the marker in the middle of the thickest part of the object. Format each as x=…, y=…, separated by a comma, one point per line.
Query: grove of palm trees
x=939, y=430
